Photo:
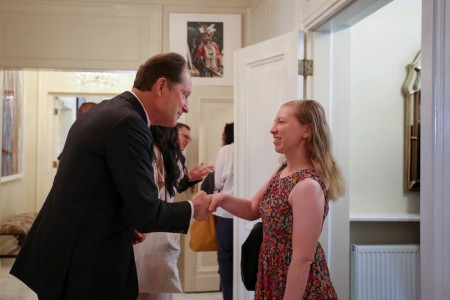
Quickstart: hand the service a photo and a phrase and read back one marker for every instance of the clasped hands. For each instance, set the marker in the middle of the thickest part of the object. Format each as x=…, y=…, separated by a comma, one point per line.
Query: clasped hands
x=204, y=205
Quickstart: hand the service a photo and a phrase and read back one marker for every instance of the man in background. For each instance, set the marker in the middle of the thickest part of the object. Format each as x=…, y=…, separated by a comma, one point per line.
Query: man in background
x=84, y=108
x=197, y=173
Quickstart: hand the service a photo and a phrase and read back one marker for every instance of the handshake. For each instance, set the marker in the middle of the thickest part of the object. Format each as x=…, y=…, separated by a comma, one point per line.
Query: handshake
x=204, y=205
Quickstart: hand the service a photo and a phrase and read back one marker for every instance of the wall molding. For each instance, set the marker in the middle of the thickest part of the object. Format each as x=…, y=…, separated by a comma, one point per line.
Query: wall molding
x=78, y=35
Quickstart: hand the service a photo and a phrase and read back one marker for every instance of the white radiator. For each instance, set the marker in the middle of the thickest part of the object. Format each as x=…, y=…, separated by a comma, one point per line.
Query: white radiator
x=385, y=272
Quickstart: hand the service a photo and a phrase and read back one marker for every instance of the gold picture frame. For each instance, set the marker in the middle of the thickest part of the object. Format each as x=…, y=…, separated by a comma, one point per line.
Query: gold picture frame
x=411, y=90
x=224, y=30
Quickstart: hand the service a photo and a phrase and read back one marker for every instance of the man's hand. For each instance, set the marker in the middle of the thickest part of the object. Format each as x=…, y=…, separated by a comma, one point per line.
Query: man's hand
x=201, y=203
x=199, y=172
x=138, y=237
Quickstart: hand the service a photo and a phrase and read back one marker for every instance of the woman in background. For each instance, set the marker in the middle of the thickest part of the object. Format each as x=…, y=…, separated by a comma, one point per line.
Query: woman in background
x=223, y=181
x=156, y=258
x=293, y=205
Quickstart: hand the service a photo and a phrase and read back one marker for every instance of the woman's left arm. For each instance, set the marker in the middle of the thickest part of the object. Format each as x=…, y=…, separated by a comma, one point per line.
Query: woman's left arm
x=308, y=202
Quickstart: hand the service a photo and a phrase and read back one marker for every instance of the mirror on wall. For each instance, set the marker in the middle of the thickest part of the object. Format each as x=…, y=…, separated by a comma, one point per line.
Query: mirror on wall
x=411, y=90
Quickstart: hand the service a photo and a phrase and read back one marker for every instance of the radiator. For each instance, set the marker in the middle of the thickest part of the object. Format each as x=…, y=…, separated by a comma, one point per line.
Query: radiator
x=385, y=272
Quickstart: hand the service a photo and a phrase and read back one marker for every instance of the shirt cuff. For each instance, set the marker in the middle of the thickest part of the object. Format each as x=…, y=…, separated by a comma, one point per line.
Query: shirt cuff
x=192, y=208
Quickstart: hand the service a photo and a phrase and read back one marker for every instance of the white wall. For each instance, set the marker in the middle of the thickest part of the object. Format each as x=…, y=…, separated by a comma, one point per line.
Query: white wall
x=270, y=18
x=382, y=45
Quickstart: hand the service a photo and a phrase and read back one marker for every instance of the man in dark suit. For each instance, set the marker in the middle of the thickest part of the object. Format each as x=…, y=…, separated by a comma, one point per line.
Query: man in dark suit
x=196, y=174
x=103, y=195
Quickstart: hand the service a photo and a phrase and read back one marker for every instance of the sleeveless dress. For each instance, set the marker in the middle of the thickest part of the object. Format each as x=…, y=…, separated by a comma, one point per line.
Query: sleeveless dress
x=276, y=248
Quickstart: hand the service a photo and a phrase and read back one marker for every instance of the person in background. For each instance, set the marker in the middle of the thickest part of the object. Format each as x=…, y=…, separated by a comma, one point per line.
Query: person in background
x=223, y=181
x=104, y=195
x=84, y=108
x=196, y=174
x=157, y=256
x=293, y=205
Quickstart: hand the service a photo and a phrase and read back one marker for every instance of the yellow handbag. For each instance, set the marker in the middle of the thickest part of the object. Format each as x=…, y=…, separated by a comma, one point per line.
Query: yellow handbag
x=203, y=235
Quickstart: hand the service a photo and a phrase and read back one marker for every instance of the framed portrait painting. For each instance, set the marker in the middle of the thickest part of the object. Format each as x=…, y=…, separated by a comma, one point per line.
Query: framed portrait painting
x=208, y=42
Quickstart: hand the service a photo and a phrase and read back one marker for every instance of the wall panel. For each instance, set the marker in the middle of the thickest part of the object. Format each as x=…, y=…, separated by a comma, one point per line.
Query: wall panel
x=78, y=36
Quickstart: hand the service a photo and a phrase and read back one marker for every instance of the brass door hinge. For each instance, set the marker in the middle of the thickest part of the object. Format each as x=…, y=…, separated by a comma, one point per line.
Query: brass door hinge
x=305, y=67
x=55, y=111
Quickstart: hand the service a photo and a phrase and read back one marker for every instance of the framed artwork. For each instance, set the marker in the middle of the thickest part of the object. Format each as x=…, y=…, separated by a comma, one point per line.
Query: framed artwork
x=208, y=42
x=412, y=91
x=12, y=98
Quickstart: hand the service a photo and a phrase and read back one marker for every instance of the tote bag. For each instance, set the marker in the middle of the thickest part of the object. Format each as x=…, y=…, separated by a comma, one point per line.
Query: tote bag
x=203, y=235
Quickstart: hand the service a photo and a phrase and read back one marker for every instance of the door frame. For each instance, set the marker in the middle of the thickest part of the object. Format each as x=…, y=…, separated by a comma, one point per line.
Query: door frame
x=435, y=147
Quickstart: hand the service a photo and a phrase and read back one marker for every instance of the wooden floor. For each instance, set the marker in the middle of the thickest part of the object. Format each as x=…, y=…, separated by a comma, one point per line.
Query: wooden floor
x=13, y=289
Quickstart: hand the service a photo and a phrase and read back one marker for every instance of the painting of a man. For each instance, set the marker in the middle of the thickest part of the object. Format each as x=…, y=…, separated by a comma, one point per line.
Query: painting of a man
x=205, y=49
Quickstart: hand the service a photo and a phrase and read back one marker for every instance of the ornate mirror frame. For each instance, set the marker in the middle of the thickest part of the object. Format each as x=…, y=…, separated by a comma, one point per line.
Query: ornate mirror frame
x=411, y=90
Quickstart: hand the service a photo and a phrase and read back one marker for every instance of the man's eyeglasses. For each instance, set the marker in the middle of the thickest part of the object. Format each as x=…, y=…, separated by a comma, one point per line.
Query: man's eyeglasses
x=186, y=136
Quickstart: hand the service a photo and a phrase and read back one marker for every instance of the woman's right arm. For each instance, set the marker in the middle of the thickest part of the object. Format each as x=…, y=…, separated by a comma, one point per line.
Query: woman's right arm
x=240, y=207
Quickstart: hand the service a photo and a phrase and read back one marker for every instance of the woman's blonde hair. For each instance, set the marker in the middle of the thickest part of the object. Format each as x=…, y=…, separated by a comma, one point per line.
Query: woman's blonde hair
x=311, y=113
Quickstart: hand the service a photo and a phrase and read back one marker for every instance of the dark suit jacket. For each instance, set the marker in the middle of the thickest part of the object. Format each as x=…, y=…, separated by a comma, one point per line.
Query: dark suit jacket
x=80, y=246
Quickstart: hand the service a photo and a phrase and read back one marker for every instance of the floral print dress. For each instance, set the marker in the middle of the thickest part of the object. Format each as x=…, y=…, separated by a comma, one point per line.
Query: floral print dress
x=276, y=248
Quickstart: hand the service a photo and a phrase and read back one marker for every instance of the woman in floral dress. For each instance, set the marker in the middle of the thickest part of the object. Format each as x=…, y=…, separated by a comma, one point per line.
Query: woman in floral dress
x=293, y=205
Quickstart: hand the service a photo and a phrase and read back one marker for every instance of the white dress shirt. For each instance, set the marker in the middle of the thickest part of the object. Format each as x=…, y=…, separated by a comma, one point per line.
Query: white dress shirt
x=223, y=176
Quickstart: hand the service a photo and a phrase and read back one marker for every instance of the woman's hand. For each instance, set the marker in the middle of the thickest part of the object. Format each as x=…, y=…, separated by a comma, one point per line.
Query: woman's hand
x=216, y=201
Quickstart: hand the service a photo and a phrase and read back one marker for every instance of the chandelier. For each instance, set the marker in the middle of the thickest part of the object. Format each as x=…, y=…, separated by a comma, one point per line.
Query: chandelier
x=97, y=80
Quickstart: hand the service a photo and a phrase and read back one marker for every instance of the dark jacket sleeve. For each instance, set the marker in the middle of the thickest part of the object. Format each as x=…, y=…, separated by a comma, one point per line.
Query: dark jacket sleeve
x=185, y=184
x=129, y=156
x=208, y=184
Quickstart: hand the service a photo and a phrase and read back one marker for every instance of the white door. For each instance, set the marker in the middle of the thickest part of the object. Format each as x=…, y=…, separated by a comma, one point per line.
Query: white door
x=64, y=116
x=198, y=270
x=265, y=77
